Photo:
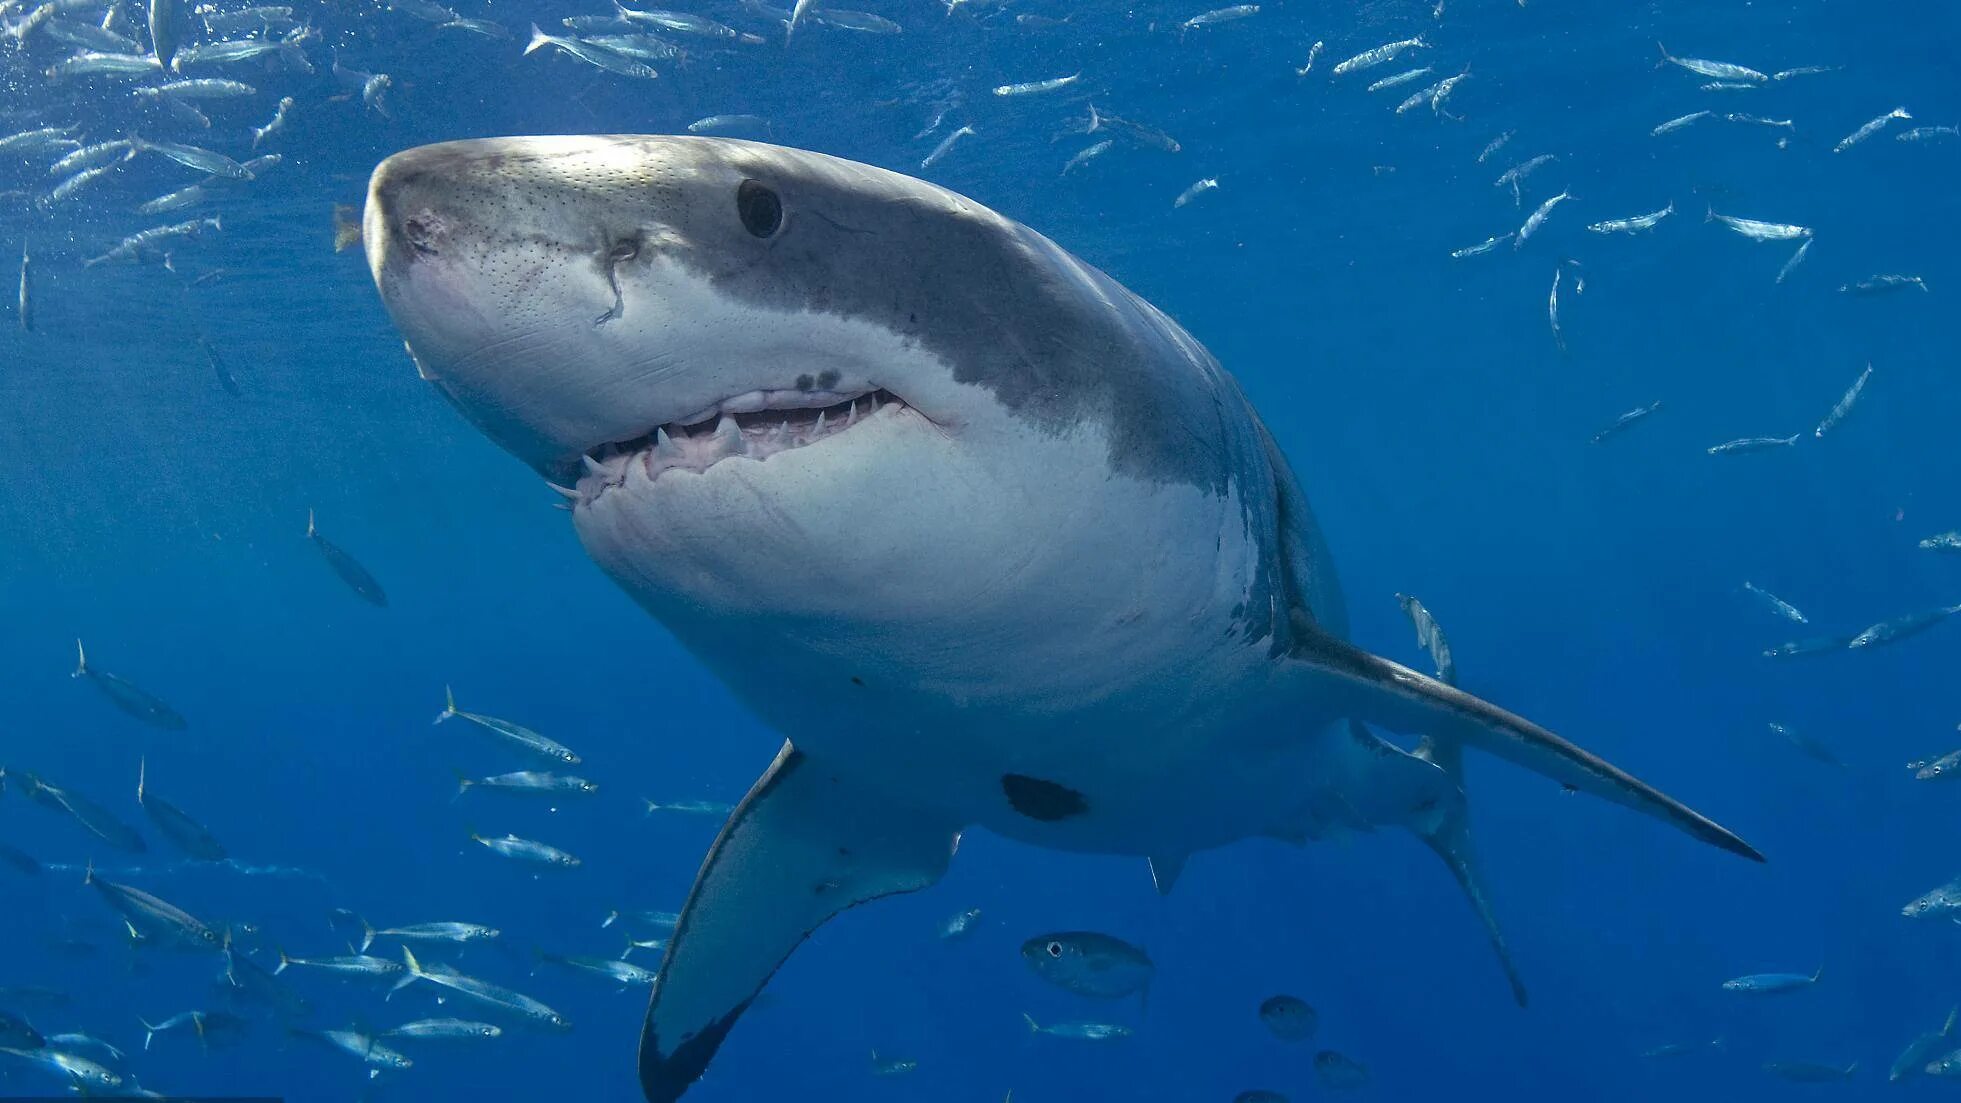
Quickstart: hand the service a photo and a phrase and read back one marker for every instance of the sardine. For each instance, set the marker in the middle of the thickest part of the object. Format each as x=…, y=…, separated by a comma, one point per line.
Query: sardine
x=1496, y=144
x=1313, y=55
x=1196, y=190
x=1927, y=133
x=614, y=969
x=1400, y=78
x=1870, y=129
x=1797, y=258
x=1622, y=423
x=1633, y=225
x=945, y=146
x=1880, y=285
x=203, y=160
x=481, y=991
x=516, y=733
x=1760, y=231
x=1538, y=218
x=25, y=309
x=1035, y=87
x=358, y=1044
x=1752, y=444
x=1219, y=15
x=226, y=53
x=527, y=781
x=1774, y=603
x=527, y=850
x=126, y=696
x=1082, y=1032
x=444, y=1028
x=1679, y=122
x=187, y=834
x=689, y=807
x=861, y=21
x=1430, y=637
x=347, y=965
x=153, y=918
x=346, y=567
x=1899, y=628
x=1769, y=984
x=1087, y=154
x=163, y=31
x=1368, y=59
x=1844, y=405
x=1718, y=70
x=428, y=932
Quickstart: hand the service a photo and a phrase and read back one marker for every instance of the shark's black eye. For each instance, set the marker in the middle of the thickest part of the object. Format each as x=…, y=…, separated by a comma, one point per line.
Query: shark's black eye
x=1055, y=949
x=760, y=209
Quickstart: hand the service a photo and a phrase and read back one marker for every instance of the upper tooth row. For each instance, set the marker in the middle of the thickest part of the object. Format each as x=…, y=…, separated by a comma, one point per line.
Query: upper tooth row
x=758, y=401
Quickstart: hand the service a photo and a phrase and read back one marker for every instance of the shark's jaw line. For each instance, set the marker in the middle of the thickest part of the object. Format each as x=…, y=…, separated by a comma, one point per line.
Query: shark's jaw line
x=754, y=425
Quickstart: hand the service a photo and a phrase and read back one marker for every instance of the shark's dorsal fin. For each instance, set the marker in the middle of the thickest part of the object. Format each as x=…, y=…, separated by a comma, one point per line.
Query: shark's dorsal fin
x=803, y=846
x=1372, y=689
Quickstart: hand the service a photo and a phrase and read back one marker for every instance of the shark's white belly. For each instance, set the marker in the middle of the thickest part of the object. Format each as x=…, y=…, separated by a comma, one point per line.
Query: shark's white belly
x=1121, y=657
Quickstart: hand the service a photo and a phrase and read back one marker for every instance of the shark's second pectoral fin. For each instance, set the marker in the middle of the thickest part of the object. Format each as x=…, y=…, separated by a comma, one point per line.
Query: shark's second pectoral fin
x=803, y=846
x=1378, y=691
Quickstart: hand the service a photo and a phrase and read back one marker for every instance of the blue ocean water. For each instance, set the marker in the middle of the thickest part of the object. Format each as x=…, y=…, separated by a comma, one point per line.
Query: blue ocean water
x=1439, y=429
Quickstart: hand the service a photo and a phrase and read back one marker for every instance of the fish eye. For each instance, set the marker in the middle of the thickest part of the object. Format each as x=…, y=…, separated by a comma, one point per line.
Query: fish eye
x=761, y=211
x=1054, y=949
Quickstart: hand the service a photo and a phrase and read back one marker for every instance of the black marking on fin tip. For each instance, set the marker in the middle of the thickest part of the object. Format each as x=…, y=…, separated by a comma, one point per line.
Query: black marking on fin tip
x=665, y=1077
x=1042, y=800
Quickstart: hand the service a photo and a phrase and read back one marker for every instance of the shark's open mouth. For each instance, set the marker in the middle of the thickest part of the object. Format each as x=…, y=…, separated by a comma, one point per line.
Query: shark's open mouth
x=756, y=425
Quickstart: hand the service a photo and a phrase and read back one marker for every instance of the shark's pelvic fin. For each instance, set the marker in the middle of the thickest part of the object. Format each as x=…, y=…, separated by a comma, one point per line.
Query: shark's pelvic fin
x=1427, y=796
x=1381, y=692
x=800, y=848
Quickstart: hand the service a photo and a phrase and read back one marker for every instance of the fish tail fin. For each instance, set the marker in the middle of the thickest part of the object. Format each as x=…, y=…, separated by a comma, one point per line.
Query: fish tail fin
x=1665, y=57
x=1374, y=690
x=611, y=917
x=284, y=961
x=463, y=780
x=538, y=38
x=654, y=806
x=449, y=706
x=1816, y=973
x=310, y=530
x=367, y=936
x=142, y=764
x=149, y=1032
x=81, y=661
x=1033, y=1026
x=1948, y=1027
x=1424, y=792
x=88, y=872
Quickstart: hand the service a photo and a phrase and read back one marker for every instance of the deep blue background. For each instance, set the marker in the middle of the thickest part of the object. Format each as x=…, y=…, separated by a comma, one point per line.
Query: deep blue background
x=1439, y=432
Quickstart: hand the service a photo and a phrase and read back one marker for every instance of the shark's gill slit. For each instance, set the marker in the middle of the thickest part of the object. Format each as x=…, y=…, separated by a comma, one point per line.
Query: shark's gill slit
x=616, y=256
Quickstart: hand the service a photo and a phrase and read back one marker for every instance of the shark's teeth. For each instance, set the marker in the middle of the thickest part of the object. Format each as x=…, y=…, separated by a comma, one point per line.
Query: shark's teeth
x=664, y=445
x=563, y=491
x=729, y=435
x=819, y=431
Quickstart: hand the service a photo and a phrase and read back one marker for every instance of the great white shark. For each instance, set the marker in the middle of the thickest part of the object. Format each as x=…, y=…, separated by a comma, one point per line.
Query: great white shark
x=990, y=540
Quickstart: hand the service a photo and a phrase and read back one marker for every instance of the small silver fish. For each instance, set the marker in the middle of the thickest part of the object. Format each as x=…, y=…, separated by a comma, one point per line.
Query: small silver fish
x=1552, y=307
x=1516, y=175
x=1084, y=1032
x=1196, y=190
x=961, y=925
x=527, y=850
x=1945, y=900
x=1622, y=423
x=1752, y=444
x=1774, y=603
x=1400, y=78
x=1879, y=285
x=1946, y=541
x=1804, y=71
x=1482, y=247
x=1495, y=145
x=1538, y=218
x=1844, y=405
x=1797, y=258
x=892, y=1066
x=1927, y=133
x=1369, y=59
x=1035, y=87
x=1430, y=637
x=516, y=733
x=1679, y=122
x=688, y=807
x=1087, y=154
x=275, y=125
x=1633, y=225
x=945, y=146
x=1759, y=120
x=1770, y=984
x=1760, y=231
x=1870, y=129
x=717, y=124
x=1933, y=769
x=444, y=1028
x=24, y=313
x=1313, y=54
x=1718, y=70
x=1219, y=15
x=591, y=55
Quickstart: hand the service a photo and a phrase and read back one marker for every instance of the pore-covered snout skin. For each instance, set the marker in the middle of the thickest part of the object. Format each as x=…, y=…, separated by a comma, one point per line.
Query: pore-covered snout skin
x=569, y=291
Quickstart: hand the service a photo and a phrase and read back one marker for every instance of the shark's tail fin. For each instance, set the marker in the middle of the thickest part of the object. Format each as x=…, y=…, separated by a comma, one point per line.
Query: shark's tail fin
x=1424, y=791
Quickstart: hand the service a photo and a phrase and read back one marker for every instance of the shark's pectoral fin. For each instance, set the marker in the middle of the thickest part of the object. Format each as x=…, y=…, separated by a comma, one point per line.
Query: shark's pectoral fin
x=803, y=846
x=1386, y=693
